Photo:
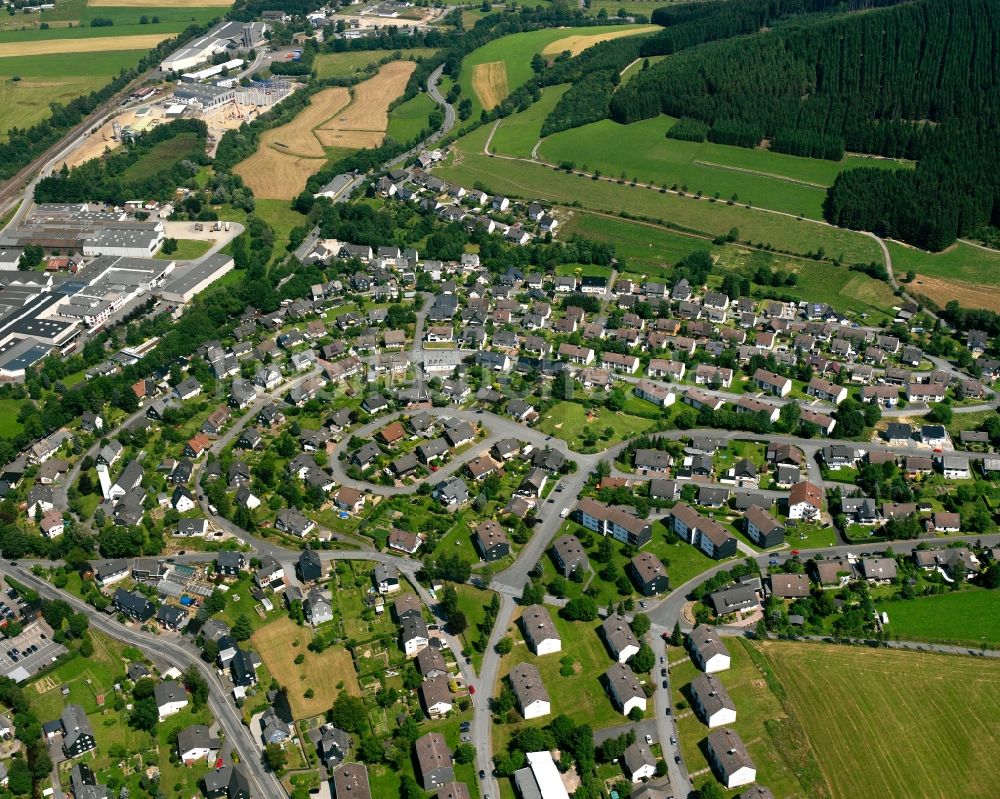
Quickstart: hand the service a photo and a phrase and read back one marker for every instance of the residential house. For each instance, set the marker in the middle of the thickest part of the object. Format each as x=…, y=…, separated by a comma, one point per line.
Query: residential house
x=648, y=573
x=730, y=759
x=171, y=697
x=569, y=555
x=707, y=650
x=620, y=640
x=805, y=501
x=712, y=701
x=529, y=691
x=619, y=524
x=540, y=633
x=762, y=528
x=433, y=757
x=624, y=688
x=706, y=534
x=435, y=695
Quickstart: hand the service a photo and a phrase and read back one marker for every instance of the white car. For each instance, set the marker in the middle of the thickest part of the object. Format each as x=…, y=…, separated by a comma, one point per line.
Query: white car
x=649, y=739
x=564, y=513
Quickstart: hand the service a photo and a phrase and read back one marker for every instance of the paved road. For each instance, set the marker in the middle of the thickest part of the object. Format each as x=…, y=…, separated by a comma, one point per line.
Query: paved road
x=264, y=782
x=435, y=94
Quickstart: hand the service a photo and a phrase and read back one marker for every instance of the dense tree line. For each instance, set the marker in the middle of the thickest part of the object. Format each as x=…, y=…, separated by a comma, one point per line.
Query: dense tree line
x=861, y=82
x=109, y=179
x=585, y=101
x=688, y=129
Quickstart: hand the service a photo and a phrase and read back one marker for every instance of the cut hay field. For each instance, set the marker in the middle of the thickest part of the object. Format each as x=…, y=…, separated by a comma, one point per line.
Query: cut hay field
x=331, y=126
x=96, y=44
x=54, y=78
x=962, y=272
x=532, y=181
x=884, y=723
x=518, y=133
x=489, y=82
x=351, y=62
x=77, y=32
x=280, y=641
x=515, y=53
x=290, y=153
x=576, y=44
x=364, y=121
x=770, y=180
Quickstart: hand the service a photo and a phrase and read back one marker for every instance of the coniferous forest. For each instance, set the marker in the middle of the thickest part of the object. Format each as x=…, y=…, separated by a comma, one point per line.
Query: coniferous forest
x=917, y=80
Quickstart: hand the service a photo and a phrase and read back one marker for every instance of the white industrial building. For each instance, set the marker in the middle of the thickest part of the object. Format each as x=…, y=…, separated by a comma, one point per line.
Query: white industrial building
x=10, y=257
x=139, y=241
x=211, y=72
x=196, y=278
x=226, y=37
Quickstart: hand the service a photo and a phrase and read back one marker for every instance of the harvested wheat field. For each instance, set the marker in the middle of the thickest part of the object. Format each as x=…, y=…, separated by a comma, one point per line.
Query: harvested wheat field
x=490, y=83
x=288, y=155
x=97, y=44
x=577, y=44
x=969, y=295
x=364, y=122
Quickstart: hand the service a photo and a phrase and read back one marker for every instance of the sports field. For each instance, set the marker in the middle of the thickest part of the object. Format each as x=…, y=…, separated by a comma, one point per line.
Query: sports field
x=514, y=52
x=770, y=180
x=964, y=617
x=531, y=181
x=278, y=644
x=893, y=724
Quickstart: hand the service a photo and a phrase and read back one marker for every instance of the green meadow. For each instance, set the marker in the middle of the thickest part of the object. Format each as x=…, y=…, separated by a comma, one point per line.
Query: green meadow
x=642, y=150
x=518, y=133
x=407, y=119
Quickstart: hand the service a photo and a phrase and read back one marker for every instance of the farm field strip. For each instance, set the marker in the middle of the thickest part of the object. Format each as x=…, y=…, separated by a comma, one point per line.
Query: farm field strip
x=161, y=3
x=97, y=44
x=578, y=43
x=519, y=133
x=489, y=81
x=866, y=715
x=533, y=181
x=516, y=51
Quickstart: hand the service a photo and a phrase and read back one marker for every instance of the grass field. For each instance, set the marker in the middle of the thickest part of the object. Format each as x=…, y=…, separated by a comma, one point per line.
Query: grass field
x=472, y=602
x=867, y=716
x=568, y=420
x=964, y=617
x=278, y=644
x=760, y=177
x=9, y=408
x=757, y=709
x=648, y=249
x=163, y=155
x=515, y=52
x=187, y=249
x=580, y=696
x=281, y=217
x=962, y=272
x=80, y=13
x=351, y=62
x=841, y=288
x=55, y=78
x=407, y=119
x=518, y=133
x=111, y=31
x=635, y=67
x=646, y=7
x=530, y=181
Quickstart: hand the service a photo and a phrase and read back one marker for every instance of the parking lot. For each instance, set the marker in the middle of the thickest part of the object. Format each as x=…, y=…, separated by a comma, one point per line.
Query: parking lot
x=18, y=663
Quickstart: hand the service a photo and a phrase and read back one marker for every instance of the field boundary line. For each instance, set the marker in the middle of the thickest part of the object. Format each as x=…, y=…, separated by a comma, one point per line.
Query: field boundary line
x=772, y=175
